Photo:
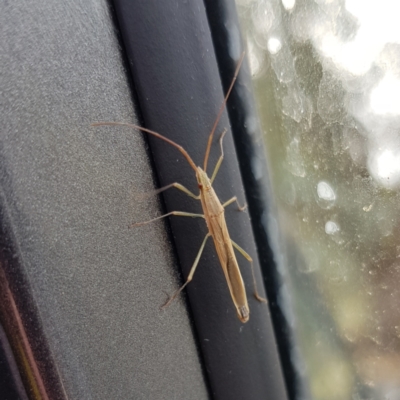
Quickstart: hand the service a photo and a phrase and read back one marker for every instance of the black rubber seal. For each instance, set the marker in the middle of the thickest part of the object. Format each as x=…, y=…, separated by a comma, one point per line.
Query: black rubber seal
x=172, y=61
x=248, y=137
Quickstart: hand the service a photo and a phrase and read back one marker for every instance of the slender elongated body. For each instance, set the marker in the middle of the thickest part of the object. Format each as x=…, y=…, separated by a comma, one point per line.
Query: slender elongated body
x=213, y=213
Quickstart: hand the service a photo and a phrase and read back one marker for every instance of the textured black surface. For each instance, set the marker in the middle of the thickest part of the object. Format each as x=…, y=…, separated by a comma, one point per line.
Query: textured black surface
x=172, y=61
x=69, y=192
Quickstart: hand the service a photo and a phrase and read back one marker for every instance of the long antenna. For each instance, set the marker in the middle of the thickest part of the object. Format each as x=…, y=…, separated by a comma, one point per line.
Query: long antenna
x=210, y=138
x=180, y=148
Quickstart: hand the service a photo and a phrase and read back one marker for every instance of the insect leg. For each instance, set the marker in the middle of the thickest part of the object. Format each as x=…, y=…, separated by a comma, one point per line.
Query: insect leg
x=178, y=186
x=221, y=157
x=230, y=201
x=178, y=213
x=191, y=273
x=248, y=258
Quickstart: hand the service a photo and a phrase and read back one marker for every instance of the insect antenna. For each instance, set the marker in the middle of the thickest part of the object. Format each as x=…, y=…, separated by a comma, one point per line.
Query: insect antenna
x=180, y=148
x=210, y=138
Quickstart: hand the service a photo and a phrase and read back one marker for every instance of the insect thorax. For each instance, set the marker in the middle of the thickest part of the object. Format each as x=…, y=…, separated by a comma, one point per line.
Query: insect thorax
x=202, y=179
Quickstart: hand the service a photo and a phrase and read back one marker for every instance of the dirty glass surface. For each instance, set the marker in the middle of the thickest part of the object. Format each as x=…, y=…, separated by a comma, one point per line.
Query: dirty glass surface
x=327, y=79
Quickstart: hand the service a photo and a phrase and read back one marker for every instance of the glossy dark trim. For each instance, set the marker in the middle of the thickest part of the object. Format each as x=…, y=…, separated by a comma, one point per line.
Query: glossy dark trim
x=177, y=82
x=11, y=387
x=20, y=318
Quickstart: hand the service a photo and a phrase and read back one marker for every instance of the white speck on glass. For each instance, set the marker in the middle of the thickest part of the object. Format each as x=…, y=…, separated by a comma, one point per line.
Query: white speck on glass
x=331, y=228
x=274, y=45
x=325, y=191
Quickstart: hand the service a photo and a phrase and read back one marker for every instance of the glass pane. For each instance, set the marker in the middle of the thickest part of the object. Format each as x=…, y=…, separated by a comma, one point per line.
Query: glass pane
x=327, y=79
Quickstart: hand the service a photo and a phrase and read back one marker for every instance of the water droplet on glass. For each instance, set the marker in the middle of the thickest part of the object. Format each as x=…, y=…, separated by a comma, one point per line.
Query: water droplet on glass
x=274, y=45
x=288, y=4
x=326, y=196
x=331, y=228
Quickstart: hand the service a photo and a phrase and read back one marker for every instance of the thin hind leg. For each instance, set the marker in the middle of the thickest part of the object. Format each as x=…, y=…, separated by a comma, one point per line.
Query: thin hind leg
x=250, y=260
x=191, y=273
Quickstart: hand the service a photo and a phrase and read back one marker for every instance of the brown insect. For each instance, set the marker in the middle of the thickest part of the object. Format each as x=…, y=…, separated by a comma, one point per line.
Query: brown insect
x=213, y=214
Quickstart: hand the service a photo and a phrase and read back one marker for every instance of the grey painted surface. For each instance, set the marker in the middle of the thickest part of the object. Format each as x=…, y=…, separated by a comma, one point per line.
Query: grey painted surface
x=72, y=192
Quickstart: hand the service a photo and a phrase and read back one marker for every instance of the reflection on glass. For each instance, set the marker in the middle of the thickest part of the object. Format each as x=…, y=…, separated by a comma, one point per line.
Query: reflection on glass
x=327, y=80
